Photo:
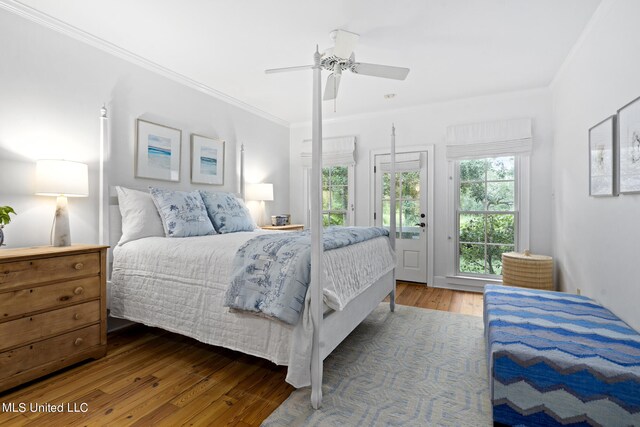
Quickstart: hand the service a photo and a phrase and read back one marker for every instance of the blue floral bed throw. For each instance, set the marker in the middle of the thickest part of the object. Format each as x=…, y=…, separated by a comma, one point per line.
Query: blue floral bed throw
x=271, y=273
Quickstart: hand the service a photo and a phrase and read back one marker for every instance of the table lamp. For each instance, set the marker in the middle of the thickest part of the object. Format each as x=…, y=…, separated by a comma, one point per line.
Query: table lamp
x=61, y=178
x=261, y=193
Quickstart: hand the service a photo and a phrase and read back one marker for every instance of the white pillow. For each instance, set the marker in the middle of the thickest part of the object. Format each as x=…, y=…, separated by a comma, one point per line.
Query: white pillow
x=140, y=217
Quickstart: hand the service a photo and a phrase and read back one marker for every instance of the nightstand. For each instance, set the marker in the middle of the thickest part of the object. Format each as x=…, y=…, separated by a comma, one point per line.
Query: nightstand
x=52, y=310
x=291, y=227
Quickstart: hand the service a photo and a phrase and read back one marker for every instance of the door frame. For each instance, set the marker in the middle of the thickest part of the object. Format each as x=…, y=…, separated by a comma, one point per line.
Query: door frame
x=430, y=150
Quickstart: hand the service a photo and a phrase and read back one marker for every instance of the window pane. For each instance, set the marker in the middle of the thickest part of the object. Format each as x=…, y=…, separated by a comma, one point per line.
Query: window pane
x=500, y=196
x=325, y=220
x=472, y=170
x=326, y=199
x=337, y=218
x=410, y=212
x=501, y=228
x=326, y=177
x=411, y=185
x=500, y=168
x=471, y=258
x=386, y=185
x=472, y=228
x=339, y=175
x=410, y=219
x=386, y=214
x=338, y=198
x=472, y=197
x=494, y=258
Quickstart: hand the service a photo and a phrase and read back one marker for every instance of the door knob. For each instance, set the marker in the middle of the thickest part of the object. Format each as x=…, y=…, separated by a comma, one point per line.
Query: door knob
x=422, y=224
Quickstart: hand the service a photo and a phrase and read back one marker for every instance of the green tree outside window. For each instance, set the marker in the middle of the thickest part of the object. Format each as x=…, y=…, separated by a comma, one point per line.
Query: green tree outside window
x=487, y=216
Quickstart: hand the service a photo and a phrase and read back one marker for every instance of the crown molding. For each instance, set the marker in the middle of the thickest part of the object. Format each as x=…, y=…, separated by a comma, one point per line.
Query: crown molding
x=55, y=24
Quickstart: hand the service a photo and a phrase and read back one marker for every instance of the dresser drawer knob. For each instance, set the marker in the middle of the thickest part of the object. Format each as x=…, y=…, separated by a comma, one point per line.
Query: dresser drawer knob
x=77, y=316
x=79, y=266
x=78, y=341
x=79, y=290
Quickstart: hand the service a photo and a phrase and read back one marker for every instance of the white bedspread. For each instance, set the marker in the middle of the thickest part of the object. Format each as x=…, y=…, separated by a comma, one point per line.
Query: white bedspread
x=178, y=284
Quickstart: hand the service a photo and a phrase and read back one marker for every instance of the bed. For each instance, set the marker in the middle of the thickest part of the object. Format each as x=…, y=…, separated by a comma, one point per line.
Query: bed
x=150, y=285
x=147, y=286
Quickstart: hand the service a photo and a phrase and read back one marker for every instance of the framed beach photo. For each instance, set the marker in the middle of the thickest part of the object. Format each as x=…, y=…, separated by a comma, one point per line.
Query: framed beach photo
x=157, y=151
x=207, y=160
x=602, y=158
x=629, y=147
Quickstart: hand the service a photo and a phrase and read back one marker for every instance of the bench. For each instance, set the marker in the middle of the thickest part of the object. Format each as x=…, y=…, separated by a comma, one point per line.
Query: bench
x=559, y=359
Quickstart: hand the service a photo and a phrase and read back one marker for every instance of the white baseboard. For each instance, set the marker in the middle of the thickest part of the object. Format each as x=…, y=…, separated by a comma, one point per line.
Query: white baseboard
x=467, y=284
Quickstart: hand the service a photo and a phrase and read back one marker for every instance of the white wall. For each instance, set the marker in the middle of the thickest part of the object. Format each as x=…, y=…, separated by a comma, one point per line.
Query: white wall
x=427, y=125
x=597, y=240
x=51, y=90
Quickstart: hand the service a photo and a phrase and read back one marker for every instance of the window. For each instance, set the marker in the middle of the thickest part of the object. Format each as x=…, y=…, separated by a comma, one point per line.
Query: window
x=487, y=214
x=407, y=204
x=335, y=195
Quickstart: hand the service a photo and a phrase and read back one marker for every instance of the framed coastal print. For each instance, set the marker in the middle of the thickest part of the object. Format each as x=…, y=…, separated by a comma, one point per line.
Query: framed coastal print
x=602, y=158
x=629, y=147
x=207, y=160
x=157, y=151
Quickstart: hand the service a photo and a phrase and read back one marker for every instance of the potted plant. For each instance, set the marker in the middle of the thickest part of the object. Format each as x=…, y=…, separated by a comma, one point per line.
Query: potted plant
x=5, y=219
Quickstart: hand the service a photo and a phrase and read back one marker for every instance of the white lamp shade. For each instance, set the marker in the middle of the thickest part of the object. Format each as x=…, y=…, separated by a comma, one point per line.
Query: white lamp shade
x=62, y=178
x=263, y=192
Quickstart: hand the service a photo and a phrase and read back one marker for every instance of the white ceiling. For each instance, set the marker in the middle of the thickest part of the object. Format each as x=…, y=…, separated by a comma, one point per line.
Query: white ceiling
x=455, y=48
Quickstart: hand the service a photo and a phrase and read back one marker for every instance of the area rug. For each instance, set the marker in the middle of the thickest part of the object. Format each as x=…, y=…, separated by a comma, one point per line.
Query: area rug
x=414, y=367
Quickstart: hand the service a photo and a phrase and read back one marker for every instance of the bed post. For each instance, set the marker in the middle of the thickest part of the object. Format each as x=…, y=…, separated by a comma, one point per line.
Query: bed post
x=103, y=214
x=242, y=171
x=392, y=209
x=316, y=234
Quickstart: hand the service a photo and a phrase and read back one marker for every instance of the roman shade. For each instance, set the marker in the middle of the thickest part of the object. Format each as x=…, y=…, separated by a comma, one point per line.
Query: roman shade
x=404, y=162
x=339, y=151
x=489, y=139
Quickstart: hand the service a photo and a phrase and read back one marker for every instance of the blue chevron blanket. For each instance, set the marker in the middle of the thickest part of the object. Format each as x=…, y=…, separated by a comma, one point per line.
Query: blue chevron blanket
x=559, y=359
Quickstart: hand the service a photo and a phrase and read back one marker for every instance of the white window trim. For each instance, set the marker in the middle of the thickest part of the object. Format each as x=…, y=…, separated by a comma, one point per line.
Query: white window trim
x=453, y=279
x=351, y=196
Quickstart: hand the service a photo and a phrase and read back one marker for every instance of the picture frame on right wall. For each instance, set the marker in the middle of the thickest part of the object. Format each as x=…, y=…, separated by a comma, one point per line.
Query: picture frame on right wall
x=629, y=147
x=602, y=159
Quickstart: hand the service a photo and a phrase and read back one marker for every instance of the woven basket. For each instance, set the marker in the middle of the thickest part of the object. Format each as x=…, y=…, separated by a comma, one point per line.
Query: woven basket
x=527, y=270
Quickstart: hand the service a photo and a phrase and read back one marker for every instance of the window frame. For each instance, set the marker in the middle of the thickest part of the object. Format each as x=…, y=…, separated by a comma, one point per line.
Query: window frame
x=330, y=187
x=522, y=180
x=351, y=210
x=515, y=212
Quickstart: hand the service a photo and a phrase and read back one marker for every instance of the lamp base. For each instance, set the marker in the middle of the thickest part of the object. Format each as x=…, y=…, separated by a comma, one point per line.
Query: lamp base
x=61, y=230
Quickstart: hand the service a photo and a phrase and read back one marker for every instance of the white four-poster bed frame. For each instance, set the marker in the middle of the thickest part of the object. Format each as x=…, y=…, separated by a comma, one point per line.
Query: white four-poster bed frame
x=329, y=329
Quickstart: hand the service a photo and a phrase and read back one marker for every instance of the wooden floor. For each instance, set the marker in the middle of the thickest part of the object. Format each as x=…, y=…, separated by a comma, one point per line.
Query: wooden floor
x=153, y=377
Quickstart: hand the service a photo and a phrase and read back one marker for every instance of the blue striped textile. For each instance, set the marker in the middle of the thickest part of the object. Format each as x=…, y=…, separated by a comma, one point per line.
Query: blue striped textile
x=559, y=359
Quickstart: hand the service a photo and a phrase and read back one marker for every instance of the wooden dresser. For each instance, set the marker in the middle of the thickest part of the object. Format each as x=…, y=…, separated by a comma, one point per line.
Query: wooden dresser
x=52, y=309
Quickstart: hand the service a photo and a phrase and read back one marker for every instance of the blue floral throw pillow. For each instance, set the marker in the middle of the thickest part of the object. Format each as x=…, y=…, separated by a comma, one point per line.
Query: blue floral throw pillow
x=228, y=213
x=183, y=214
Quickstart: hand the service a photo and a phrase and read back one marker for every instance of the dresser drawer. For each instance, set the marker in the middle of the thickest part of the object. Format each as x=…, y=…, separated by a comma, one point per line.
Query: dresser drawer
x=27, y=329
x=51, y=350
x=15, y=303
x=21, y=273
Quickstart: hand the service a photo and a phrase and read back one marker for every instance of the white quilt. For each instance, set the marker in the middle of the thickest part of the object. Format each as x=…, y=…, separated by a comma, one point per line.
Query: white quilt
x=178, y=284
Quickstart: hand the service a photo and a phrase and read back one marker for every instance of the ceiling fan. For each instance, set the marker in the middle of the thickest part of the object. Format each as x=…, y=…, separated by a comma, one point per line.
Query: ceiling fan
x=340, y=58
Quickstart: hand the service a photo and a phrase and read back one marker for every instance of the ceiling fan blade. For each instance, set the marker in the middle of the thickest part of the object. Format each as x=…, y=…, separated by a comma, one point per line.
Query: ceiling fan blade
x=286, y=69
x=345, y=43
x=331, y=89
x=377, y=70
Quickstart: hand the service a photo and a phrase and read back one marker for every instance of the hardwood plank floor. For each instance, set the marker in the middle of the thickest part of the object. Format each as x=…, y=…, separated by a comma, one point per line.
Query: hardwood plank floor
x=153, y=377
